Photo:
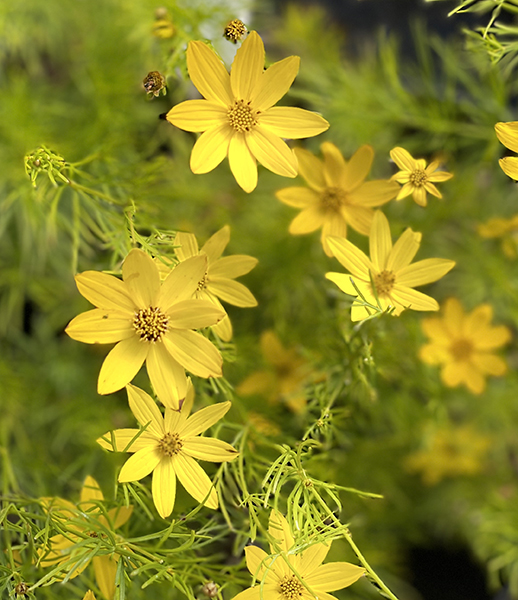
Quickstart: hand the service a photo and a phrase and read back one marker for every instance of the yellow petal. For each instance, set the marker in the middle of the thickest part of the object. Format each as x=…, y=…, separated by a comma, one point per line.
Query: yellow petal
x=242, y=163
x=358, y=217
x=380, y=242
x=431, y=189
x=437, y=176
x=260, y=382
x=146, y=411
x=409, y=298
x=507, y=133
x=234, y=266
x=126, y=440
x=509, y=166
x=195, y=480
x=197, y=115
x=298, y=197
x=247, y=67
x=182, y=282
x=194, y=352
x=203, y=419
x=311, y=168
x=351, y=257
x=140, y=464
x=404, y=250
x=163, y=487
x=489, y=363
x=419, y=196
x=343, y=282
x=120, y=515
x=454, y=373
x=167, y=376
x=273, y=84
x=403, y=159
x=231, y=291
x=188, y=246
x=216, y=244
x=493, y=337
x=90, y=492
x=373, y=193
x=436, y=330
x=261, y=565
x=334, y=576
x=357, y=168
x=334, y=165
x=210, y=449
x=424, y=271
x=336, y=226
x=105, y=569
x=104, y=291
x=433, y=354
x=121, y=365
x=208, y=73
x=100, y=326
x=89, y=595
x=279, y=530
x=140, y=274
x=267, y=591
x=194, y=314
x=210, y=149
x=223, y=329
x=313, y=557
x=308, y=220
x=272, y=152
x=291, y=122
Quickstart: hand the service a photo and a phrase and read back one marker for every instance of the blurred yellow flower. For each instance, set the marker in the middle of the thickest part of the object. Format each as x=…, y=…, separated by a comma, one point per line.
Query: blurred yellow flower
x=463, y=344
x=389, y=269
x=507, y=133
x=84, y=517
x=167, y=446
x=449, y=452
x=237, y=114
x=338, y=196
x=507, y=229
x=279, y=572
x=283, y=379
x=152, y=323
x=89, y=595
x=416, y=177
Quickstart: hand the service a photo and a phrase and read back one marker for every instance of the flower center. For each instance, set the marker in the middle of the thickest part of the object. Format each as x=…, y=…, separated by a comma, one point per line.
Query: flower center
x=202, y=284
x=290, y=587
x=170, y=444
x=332, y=198
x=150, y=323
x=241, y=116
x=418, y=177
x=384, y=282
x=461, y=349
x=234, y=30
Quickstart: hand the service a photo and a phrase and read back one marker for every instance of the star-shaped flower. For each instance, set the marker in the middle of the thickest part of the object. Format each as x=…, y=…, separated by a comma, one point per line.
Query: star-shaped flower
x=464, y=345
x=416, y=177
x=338, y=195
x=85, y=518
x=238, y=116
x=168, y=446
x=278, y=574
x=152, y=322
x=388, y=268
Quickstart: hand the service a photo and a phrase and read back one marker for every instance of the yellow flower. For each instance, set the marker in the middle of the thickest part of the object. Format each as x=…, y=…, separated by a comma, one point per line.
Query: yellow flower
x=338, y=194
x=507, y=229
x=449, y=452
x=463, y=344
x=416, y=177
x=151, y=322
x=168, y=446
x=388, y=268
x=238, y=116
x=279, y=573
x=218, y=282
x=285, y=377
x=507, y=133
x=85, y=518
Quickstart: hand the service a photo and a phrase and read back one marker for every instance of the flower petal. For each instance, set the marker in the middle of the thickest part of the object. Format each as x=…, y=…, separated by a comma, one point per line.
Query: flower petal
x=311, y=168
x=231, y=291
x=279, y=529
x=90, y=491
x=404, y=250
x=188, y=246
x=146, y=411
x=167, y=376
x=141, y=276
x=208, y=73
x=122, y=364
x=334, y=576
x=126, y=440
x=216, y=244
x=266, y=591
x=507, y=133
x=291, y=122
x=211, y=148
x=380, y=242
x=182, y=281
x=261, y=565
x=203, y=419
x=374, y=193
x=403, y=159
x=358, y=217
x=242, y=163
x=509, y=166
x=194, y=314
x=100, y=326
x=223, y=329
x=105, y=569
x=194, y=352
x=210, y=449
x=274, y=83
x=334, y=225
x=195, y=481
x=351, y=257
x=198, y=115
x=334, y=165
x=140, y=464
x=343, y=281
x=489, y=363
x=272, y=152
x=233, y=266
x=424, y=271
x=409, y=298
x=105, y=291
x=307, y=221
x=298, y=197
x=247, y=67
x=163, y=487
x=313, y=557
x=357, y=168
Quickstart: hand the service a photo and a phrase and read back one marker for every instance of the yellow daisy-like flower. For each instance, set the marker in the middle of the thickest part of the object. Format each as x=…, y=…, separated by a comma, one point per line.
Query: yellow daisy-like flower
x=338, y=196
x=506, y=229
x=278, y=573
x=218, y=282
x=389, y=269
x=152, y=323
x=507, y=133
x=416, y=177
x=238, y=116
x=86, y=519
x=464, y=344
x=167, y=448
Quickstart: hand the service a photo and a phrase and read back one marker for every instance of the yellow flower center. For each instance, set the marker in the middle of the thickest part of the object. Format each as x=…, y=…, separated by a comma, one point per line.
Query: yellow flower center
x=170, y=444
x=290, y=587
x=332, y=198
x=418, y=177
x=150, y=323
x=234, y=30
x=241, y=117
x=461, y=349
x=384, y=282
x=202, y=284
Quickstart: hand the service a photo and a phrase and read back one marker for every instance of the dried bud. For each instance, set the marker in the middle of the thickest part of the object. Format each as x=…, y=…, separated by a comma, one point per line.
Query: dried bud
x=154, y=83
x=21, y=589
x=234, y=30
x=210, y=589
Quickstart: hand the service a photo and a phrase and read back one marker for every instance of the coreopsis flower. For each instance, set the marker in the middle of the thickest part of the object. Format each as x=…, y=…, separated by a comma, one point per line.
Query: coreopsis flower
x=507, y=133
x=152, y=323
x=416, y=177
x=279, y=573
x=218, y=282
x=167, y=446
x=338, y=195
x=449, y=452
x=238, y=116
x=284, y=377
x=388, y=269
x=87, y=520
x=464, y=345
x=506, y=229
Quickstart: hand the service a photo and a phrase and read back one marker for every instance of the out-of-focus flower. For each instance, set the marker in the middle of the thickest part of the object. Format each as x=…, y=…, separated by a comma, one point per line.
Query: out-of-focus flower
x=416, y=177
x=507, y=133
x=234, y=30
x=238, y=116
x=507, y=229
x=388, y=269
x=338, y=194
x=163, y=26
x=464, y=345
